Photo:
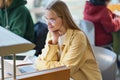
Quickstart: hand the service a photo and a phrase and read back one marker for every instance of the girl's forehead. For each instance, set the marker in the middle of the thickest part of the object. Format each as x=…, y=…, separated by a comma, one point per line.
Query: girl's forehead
x=50, y=13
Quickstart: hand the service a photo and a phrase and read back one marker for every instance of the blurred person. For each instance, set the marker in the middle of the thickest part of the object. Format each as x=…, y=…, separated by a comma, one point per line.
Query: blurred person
x=67, y=45
x=115, y=8
x=16, y=17
x=104, y=20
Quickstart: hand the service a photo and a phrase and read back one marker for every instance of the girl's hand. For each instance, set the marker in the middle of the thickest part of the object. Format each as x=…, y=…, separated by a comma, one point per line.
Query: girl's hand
x=55, y=37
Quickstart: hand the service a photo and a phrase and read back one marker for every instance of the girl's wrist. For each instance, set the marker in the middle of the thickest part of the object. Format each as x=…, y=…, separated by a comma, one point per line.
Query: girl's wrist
x=52, y=42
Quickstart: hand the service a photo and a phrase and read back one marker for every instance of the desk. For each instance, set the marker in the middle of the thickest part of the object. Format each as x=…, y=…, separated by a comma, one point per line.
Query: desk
x=59, y=73
x=8, y=65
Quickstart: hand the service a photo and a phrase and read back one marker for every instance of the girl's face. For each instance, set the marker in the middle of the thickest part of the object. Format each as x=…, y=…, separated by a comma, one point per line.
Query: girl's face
x=54, y=22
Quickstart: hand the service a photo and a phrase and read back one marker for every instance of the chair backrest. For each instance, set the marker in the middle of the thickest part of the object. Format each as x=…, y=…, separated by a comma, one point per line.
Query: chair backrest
x=41, y=31
x=107, y=62
x=88, y=28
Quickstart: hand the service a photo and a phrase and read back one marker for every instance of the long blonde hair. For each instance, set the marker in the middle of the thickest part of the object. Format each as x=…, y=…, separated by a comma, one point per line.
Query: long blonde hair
x=61, y=9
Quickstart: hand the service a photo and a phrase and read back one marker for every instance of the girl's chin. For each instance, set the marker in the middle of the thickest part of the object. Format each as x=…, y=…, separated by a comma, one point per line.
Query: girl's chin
x=52, y=30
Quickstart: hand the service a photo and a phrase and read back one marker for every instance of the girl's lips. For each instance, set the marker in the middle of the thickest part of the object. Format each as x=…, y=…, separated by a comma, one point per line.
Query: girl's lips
x=50, y=26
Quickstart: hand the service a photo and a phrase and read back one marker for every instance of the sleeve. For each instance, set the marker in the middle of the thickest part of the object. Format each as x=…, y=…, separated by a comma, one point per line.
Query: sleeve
x=110, y=22
x=71, y=58
x=49, y=51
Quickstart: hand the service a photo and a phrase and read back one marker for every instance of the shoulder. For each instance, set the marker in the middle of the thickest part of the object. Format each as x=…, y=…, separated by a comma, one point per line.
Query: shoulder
x=78, y=35
x=21, y=12
x=77, y=38
x=105, y=10
x=22, y=9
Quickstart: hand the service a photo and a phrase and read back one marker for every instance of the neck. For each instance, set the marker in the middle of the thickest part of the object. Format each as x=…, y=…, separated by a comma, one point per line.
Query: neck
x=62, y=31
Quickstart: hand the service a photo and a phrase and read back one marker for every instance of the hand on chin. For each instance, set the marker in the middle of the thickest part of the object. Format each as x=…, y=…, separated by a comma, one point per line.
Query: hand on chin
x=53, y=30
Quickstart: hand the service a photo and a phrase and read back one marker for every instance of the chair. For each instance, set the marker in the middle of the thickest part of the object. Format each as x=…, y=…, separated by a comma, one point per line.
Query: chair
x=41, y=31
x=107, y=62
x=88, y=27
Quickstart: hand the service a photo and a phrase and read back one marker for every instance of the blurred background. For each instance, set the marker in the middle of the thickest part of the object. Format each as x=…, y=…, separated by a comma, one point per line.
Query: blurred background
x=76, y=7
x=36, y=8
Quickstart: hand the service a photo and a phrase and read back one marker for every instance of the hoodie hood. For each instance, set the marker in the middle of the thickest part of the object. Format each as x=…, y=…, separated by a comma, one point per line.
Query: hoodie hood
x=11, y=10
x=16, y=3
x=93, y=10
